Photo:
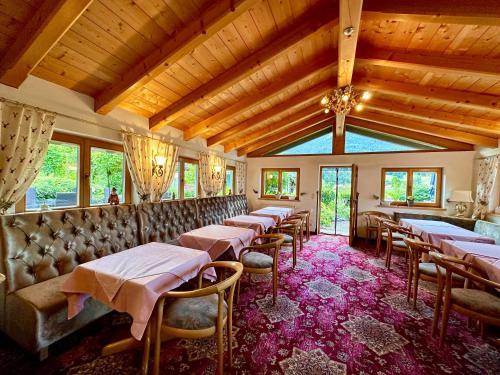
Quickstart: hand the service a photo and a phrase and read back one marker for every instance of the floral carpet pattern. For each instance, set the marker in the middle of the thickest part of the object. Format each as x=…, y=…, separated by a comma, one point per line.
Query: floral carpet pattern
x=339, y=312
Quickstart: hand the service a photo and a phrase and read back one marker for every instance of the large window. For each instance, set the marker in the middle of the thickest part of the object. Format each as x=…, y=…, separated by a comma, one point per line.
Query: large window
x=282, y=183
x=421, y=184
x=230, y=185
x=78, y=172
x=185, y=184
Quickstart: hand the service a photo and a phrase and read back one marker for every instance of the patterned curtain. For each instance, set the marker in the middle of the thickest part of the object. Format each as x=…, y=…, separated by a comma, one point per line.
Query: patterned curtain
x=241, y=177
x=488, y=170
x=140, y=152
x=212, y=174
x=24, y=139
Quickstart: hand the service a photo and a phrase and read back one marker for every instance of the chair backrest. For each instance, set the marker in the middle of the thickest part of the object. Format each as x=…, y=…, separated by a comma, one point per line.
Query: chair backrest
x=370, y=216
x=417, y=248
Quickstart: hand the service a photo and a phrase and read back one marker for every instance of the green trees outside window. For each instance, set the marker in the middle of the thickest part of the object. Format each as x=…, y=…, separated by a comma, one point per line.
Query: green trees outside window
x=190, y=180
x=107, y=171
x=281, y=183
x=229, y=186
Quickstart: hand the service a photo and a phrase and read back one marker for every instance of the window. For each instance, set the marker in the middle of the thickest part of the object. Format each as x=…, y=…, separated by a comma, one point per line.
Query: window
x=318, y=143
x=185, y=184
x=107, y=171
x=230, y=185
x=78, y=172
x=280, y=183
x=423, y=184
x=57, y=184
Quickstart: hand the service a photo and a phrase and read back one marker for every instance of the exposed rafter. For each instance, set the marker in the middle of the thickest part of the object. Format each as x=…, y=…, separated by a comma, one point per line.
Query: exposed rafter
x=305, y=72
x=468, y=123
x=292, y=138
x=464, y=99
x=349, y=22
x=431, y=129
x=463, y=65
x=284, y=132
x=409, y=134
x=274, y=127
x=305, y=97
x=322, y=14
x=45, y=28
x=214, y=18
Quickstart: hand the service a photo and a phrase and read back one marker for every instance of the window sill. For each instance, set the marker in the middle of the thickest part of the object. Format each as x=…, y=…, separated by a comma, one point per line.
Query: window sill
x=414, y=208
x=280, y=199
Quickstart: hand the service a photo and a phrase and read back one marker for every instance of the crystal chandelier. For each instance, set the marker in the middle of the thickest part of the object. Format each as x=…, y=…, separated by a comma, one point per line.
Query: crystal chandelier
x=342, y=100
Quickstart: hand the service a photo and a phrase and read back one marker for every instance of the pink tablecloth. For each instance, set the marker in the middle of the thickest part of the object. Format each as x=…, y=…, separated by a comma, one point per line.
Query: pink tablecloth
x=217, y=239
x=260, y=224
x=276, y=213
x=132, y=280
x=436, y=231
x=485, y=256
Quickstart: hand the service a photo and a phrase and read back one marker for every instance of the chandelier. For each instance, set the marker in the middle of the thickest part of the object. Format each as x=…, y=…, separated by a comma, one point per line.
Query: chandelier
x=342, y=100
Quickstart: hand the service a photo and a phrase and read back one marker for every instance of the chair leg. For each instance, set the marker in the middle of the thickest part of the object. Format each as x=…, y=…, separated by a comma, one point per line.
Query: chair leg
x=275, y=285
x=156, y=364
x=238, y=291
x=220, y=350
x=437, y=309
x=229, y=333
x=294, y=252
x=415, y=290
x=410, y=279
x=147, y=347
x=444, y=320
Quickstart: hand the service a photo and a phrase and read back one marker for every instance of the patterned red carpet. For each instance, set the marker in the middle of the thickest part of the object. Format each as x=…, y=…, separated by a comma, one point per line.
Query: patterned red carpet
x=339, y=312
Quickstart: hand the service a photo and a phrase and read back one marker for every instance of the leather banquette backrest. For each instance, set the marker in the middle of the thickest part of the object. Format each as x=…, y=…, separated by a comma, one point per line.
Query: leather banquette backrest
x=213, y=210
x=165, y=221
x=41, y=245
x=237, y=205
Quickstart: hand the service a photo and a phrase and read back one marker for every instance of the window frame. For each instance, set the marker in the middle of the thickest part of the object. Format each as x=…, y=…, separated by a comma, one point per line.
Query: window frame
x=409, y=185
x=182, y=160
x=85, y=145
x=280, y=171
x=233, y=188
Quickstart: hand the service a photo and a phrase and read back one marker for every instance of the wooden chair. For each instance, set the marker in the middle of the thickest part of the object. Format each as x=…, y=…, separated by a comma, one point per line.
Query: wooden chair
x=307, y=224
x=421, y=268
x=382, y=233
x=199, y=313
x=291, y=230
x=481, y=303
x=255, y=260
x=302, y=219
x=395, y=242
x=371, y=224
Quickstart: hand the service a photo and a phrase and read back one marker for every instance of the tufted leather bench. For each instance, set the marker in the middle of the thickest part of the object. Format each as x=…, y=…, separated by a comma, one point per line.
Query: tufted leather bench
x=38, y=251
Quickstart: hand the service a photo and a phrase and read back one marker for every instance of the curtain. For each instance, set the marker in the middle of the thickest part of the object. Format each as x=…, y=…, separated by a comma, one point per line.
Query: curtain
x=140, y=152
x=488, y=170
x=212, y=174
x=241, y=177
x=24, y=139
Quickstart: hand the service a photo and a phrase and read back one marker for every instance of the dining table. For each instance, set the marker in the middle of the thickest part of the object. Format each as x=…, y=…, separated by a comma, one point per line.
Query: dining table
x=276, y=213
x=260, y=224
x=217, y=239
x=485, y=256
x=434, y=231
x=132, y=281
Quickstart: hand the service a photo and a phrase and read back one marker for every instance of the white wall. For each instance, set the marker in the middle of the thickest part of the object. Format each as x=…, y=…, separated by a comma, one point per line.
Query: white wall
x=457, y=175
x=80, y=118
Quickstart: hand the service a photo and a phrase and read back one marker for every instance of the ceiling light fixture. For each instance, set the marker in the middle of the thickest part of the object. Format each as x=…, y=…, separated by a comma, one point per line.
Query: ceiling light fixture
x=343, y=99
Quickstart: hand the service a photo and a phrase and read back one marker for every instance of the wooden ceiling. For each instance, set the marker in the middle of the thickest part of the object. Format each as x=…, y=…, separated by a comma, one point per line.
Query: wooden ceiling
x=248, y=74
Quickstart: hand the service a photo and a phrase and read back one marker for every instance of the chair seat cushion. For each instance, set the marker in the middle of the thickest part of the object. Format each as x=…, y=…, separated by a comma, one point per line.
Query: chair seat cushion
x=257, y=260
x=193, y=313
x=398, y=236
x=429, y=269
x=288, y=239
x=476, y=300
x=399, y=243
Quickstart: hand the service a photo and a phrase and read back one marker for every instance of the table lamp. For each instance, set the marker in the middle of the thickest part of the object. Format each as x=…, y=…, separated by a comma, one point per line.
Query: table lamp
x=461, y=197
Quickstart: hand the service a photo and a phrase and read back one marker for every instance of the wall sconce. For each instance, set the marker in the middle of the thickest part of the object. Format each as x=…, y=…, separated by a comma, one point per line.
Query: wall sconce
x=216, y=172
x=158, y=164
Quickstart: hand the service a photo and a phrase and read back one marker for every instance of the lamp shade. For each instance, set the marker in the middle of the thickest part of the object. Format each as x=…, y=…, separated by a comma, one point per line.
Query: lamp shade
x=461, y=196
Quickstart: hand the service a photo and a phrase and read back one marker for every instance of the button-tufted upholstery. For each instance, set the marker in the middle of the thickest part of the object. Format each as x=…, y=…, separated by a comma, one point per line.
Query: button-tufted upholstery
x=38, y=250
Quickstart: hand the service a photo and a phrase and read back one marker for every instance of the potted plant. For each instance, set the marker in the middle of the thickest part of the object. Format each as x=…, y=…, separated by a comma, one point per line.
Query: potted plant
x=409, y=201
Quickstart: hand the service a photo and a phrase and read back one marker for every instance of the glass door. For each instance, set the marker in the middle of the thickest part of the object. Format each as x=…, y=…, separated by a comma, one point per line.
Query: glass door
x=335, y=200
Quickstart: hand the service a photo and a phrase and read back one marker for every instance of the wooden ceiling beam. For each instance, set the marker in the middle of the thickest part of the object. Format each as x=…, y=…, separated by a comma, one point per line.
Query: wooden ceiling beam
x=465, y=99
x=425, y=128
x=349, y=17
x=277, y=87
x=45, y=28
x=480, y=12
x=285, y=132
x=408, y=134
x=267, y=130
x=291, y=139
x=322, y=14
x=468, y=123
x=217, y=15
x=313, y=93
x=462, y=65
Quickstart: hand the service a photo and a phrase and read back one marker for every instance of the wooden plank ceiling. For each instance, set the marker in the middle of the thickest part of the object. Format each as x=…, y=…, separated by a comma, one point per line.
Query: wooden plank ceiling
x=248, y=74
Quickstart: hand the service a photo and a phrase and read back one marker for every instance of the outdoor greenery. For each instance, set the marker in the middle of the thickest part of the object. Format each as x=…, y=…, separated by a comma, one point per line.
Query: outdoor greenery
x=190, y=180
x=330, y=204
x=106, y=172
x=229, y=182
x=271, y=182
x=423, y=190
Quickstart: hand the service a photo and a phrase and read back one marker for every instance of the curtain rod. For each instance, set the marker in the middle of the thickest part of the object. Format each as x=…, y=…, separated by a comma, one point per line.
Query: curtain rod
x=181, y=146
